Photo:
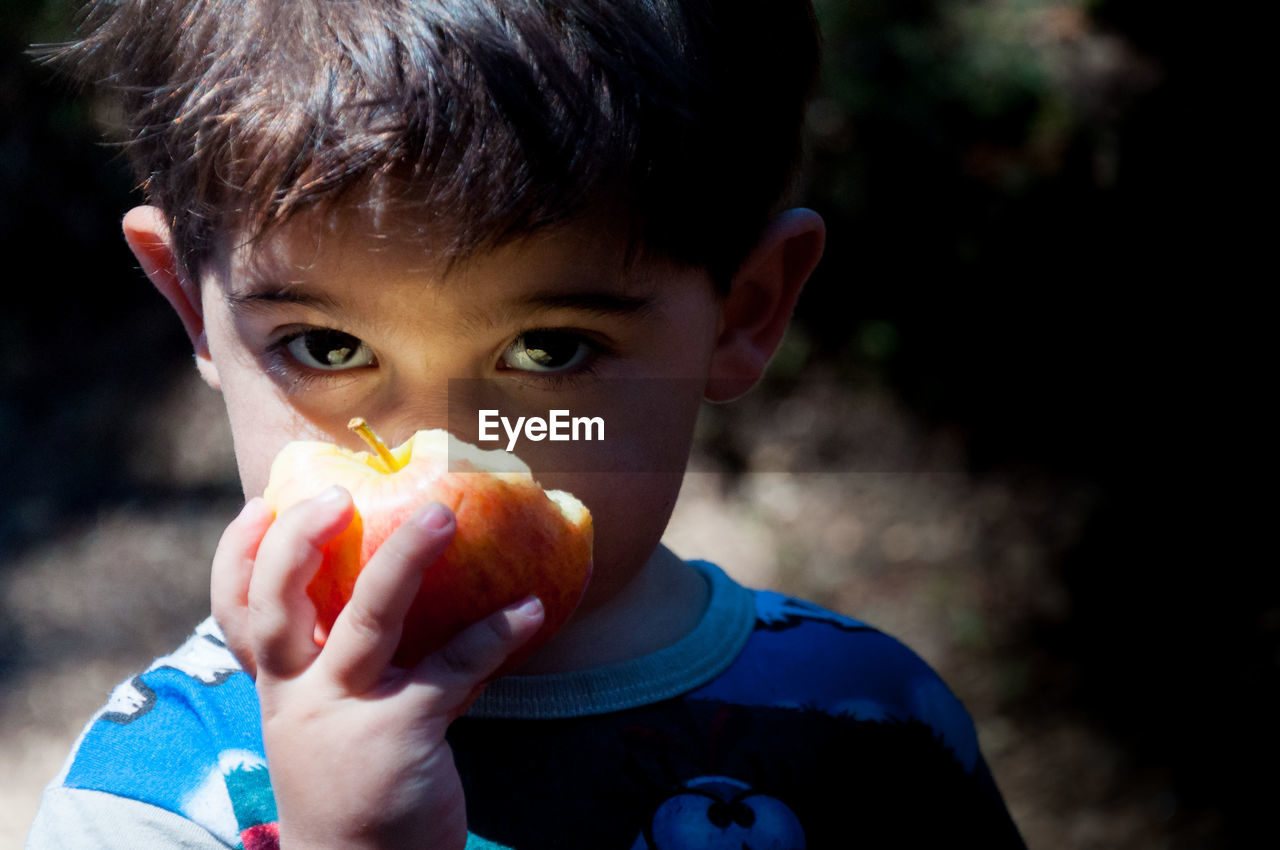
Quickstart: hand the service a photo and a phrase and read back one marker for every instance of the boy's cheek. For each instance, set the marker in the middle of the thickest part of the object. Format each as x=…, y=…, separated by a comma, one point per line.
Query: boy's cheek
x=261, y=425
x=609, y=425
x=629, y=512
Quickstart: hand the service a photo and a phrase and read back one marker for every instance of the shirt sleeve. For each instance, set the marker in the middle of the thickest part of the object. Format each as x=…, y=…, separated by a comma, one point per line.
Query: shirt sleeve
x=174, y=759
x=76, y=819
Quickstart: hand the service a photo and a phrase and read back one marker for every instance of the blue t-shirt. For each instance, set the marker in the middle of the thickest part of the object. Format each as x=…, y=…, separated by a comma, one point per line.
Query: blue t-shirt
x=774, y=724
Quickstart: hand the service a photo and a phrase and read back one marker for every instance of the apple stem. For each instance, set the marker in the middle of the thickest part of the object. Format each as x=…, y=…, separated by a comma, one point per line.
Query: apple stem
x=366, y=433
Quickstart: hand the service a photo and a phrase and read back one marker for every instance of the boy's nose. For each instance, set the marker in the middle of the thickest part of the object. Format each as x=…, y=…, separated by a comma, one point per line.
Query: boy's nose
x=396, y=422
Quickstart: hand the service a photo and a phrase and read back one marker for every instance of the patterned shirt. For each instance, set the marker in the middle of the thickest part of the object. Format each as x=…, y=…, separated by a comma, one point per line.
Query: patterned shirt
x=774, y=724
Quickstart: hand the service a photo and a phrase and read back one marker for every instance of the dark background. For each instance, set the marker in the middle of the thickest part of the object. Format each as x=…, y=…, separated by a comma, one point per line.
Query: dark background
x=1039, y=241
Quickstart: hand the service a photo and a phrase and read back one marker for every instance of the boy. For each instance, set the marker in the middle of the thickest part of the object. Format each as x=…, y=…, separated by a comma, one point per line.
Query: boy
x=351, y=204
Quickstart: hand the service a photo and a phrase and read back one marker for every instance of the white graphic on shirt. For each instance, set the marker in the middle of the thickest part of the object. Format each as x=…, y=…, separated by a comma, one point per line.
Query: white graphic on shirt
x=203, y=658
x=129, y=701
x=210, y=804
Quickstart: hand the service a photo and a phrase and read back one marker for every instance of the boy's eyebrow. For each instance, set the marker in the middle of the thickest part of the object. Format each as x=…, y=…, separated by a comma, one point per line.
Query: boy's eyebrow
x=600, y=303
x=265, y=294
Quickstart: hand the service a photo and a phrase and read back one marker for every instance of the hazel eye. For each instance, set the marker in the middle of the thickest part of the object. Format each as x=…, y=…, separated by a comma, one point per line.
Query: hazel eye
x=546, y=351
x=329, y=350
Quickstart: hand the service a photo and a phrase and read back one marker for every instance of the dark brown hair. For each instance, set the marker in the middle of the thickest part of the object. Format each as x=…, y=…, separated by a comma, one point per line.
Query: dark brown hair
x=483, y=120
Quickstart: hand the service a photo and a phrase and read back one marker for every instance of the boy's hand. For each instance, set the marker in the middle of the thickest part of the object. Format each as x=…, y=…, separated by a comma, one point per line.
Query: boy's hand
x=355, y=746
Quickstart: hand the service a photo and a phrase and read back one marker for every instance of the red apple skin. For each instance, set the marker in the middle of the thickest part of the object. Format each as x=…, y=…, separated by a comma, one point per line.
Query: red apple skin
x=512, y=539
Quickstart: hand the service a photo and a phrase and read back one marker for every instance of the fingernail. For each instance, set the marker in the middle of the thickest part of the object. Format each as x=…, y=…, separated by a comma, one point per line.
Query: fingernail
x=435, y=517
x=529, y=608
x=332, y=495
x=253, y=508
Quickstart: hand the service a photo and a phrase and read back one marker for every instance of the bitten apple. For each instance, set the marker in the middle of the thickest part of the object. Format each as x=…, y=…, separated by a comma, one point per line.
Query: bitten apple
x=513, y=538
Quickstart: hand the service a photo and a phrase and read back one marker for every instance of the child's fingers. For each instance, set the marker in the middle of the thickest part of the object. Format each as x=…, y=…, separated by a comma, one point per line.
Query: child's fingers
x=461, y=668
x=229, y=580
x=282, y=618
x=364, y=638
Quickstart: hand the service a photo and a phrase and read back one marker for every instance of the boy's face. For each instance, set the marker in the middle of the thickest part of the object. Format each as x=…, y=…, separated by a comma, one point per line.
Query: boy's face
x=322, y=322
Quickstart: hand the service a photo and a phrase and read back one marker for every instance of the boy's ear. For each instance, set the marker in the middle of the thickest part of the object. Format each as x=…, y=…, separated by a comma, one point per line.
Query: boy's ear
x=148, y=236
x=762, y=296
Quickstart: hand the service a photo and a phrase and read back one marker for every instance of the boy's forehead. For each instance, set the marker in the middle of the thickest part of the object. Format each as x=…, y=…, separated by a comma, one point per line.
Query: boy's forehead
x=321, y=249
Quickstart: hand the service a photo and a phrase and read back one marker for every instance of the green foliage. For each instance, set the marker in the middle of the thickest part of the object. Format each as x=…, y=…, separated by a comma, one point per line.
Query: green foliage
x=989, y=94
x=974, y=162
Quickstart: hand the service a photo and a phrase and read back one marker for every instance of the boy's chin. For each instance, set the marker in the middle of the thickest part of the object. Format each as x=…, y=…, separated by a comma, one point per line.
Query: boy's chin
x=619, y=624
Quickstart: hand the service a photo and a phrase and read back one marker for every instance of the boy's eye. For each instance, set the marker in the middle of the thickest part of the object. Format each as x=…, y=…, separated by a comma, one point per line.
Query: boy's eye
x=546, y=351
x=329, y=350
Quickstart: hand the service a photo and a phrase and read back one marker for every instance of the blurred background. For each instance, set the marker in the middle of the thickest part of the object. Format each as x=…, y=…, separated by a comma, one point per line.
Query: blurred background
x=1015, y=423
